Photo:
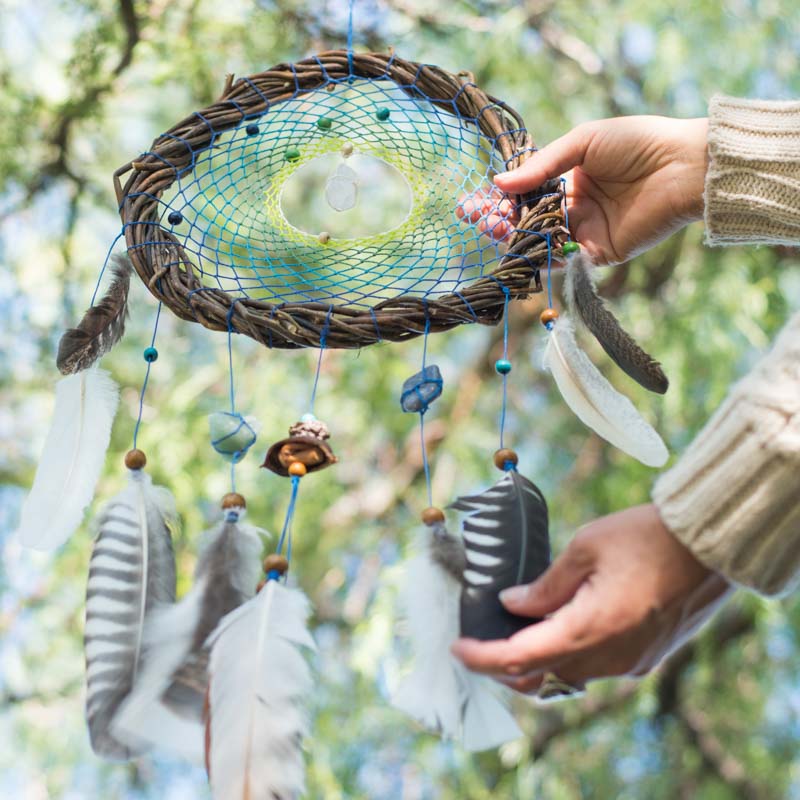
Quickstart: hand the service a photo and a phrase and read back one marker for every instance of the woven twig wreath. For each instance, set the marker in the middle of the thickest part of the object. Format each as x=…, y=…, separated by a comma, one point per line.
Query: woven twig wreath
x=242, y=267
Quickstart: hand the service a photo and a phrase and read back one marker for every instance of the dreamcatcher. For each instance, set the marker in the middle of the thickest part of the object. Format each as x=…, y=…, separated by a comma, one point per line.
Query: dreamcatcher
x=221, y=674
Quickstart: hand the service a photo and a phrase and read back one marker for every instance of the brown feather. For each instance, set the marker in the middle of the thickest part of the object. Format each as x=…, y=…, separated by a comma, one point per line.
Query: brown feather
x=589, y=307
x=102, y=325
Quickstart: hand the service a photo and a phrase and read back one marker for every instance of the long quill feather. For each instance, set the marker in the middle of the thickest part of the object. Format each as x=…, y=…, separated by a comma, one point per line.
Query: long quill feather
x=587, y=306
x=440, y=692
x=507, y=543
x=166, y=707
x=259, y=686
x=102, y=325
x=73, y=455
x=595, y=401
x=131, y=572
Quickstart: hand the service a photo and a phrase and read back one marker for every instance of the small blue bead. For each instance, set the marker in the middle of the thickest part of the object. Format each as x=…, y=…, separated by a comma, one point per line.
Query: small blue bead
x=251, y=129
x=150, y=355
x=175, y=218
x=503, y=366
x=273, y=575
x=308, y=418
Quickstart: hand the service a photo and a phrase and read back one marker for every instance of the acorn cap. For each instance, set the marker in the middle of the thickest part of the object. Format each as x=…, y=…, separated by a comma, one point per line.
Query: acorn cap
x=313, y=434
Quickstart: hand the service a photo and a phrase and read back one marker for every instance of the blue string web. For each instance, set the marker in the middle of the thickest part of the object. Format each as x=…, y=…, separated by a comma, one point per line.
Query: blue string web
x=231, y=208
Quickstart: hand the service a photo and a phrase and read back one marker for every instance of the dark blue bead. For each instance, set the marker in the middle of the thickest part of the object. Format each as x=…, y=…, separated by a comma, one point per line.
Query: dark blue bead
x=175, y=218
x=251, y=129
x=150, y=355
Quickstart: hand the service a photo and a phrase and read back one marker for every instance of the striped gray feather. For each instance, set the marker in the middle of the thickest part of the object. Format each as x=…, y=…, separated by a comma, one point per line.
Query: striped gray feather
x=131, y=572
x=506, y=543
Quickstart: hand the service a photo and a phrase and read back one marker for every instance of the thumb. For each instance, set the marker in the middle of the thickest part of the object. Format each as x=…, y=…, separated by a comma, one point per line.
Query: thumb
x=551, y=161
x=554, y=587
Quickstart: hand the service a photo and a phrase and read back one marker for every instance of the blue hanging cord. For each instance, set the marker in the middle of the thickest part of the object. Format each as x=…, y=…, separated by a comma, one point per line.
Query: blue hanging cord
x=566, y=210
x=505, y=374
x=549, y=272
x=103, y=270
x=350, y=40
x=146, y=379
x=286, y=533
x=236, y=456
x=425, y=463
x=323, y=338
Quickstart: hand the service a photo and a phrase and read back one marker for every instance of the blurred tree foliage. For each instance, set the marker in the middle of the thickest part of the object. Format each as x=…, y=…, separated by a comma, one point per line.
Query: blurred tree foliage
x=86, y=84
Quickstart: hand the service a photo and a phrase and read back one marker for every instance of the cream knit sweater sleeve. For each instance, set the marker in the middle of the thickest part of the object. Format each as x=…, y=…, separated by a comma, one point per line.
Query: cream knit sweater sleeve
x=733, y=498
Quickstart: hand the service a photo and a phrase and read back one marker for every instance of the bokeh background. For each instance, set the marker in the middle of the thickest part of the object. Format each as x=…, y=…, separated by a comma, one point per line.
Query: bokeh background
x=84, y=86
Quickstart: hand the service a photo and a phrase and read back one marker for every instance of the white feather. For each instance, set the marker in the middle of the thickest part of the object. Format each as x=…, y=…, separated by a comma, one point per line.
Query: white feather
x=73, y=455
x=440, y=692
x=596, y=402
x=259, y=682
x=147, y=719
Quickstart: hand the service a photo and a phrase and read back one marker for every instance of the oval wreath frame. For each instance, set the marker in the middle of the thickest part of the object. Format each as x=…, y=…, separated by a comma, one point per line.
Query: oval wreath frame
x=164, y=266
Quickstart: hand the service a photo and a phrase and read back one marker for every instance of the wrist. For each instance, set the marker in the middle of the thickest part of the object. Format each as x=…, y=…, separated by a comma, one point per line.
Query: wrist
x=694, y=159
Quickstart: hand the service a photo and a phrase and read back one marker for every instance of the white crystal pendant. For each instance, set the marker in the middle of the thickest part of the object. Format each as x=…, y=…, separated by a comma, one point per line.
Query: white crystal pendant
x=341, y=188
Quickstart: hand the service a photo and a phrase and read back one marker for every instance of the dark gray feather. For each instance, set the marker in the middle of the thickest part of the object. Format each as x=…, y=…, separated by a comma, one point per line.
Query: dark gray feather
x=132, y=570
x=582, y=297
x=102, y=325
x=228, y=569
x=506, y=542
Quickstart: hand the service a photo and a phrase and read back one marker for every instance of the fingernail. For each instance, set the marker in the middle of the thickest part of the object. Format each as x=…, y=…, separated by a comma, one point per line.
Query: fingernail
x=516, y=594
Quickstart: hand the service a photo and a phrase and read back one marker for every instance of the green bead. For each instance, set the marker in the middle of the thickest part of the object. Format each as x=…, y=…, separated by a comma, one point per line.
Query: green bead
x=570, y=247
x=503, y=366
x=292, y=153
x=324, y=123
x=382, y=114
x=150, y=354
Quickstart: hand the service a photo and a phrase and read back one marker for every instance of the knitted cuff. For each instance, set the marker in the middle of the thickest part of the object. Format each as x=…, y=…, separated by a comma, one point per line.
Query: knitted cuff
x=733, y=498
x=752, y=191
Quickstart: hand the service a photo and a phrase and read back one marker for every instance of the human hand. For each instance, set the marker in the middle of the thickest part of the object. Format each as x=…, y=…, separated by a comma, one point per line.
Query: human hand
x=621, y=597
x=631, y=182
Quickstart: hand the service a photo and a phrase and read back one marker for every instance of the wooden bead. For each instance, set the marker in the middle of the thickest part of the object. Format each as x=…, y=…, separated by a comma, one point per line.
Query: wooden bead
x=135, y=459
x=347, y=149
x=547, y=316
x=323, y=237
x=504, y=456
x=297, y=469
x=233, y=500
x=275, y=563
x=432, y=515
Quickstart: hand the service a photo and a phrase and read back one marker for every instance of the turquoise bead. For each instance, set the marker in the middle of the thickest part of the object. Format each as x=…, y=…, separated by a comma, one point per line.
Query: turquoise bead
x=150, y=355
x=382, y=114
x=570, y=247
x=503, y=366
